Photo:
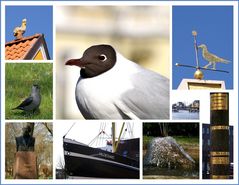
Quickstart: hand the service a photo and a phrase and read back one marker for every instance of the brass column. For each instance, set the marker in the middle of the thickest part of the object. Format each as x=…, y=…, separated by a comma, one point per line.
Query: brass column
x=219, y=151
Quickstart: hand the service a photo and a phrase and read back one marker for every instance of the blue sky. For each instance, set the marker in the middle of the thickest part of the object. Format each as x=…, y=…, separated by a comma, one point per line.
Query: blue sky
x=214, y=25
x=39, y=20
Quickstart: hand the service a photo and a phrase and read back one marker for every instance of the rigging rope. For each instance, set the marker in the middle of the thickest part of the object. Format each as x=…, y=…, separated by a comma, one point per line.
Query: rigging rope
x=69, y=130
x=99, y=139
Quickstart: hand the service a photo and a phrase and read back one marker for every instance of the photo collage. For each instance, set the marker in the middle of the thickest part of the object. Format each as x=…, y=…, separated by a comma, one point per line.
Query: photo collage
x=128, y=92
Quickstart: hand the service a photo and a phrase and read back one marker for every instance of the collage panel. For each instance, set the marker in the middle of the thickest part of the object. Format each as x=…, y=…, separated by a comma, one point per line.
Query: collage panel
x=185, y=105
x=29, y=33
x=97, y=150
x=124, y=69
x=206, y=59
x=218, y=138
x=171, y=150
x=28, y=150
x=28, y=91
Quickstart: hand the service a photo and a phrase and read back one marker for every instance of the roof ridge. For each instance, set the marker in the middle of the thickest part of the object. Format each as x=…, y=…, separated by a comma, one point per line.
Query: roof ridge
x=23, y=39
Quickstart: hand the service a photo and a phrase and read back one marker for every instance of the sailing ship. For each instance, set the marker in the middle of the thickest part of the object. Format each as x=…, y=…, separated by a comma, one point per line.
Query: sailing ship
x=118, y=159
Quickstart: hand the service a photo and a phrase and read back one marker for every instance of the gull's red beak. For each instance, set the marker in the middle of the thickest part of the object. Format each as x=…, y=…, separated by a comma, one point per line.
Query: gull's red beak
x=75, y=62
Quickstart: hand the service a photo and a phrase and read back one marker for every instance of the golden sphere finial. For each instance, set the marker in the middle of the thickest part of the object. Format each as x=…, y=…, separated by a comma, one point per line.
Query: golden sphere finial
x=198, y=74
x=194, y=33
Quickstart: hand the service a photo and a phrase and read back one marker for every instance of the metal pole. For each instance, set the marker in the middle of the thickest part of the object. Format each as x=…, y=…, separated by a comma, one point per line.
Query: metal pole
x=194, y=33
x=216, y=70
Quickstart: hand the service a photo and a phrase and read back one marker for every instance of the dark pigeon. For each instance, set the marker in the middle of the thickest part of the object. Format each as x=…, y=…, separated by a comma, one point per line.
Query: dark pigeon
x=32, y=102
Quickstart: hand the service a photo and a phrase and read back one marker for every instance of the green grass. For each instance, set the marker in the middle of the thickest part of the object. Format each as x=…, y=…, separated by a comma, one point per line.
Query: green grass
x=146, y=141
x=19, y=79
x=183, y=140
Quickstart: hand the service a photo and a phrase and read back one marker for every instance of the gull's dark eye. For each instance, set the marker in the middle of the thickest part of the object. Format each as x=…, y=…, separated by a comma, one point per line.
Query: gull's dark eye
x=102, y=58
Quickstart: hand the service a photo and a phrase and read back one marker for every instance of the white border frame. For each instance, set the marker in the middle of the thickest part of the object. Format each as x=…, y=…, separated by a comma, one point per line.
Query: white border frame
x=234, y=92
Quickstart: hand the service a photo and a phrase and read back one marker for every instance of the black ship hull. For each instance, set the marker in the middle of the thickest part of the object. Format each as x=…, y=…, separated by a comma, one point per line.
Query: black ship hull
x=84, y=161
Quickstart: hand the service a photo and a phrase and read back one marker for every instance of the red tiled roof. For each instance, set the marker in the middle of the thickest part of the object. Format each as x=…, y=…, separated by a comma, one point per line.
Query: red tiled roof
x=18, y=49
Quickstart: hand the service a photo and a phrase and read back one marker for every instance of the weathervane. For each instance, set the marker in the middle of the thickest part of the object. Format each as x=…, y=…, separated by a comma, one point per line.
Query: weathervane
x=211, y=58
x=19, y=31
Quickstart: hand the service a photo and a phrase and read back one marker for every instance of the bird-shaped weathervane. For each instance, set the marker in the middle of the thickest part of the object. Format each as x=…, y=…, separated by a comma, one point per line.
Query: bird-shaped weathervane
x=211, y=58
x=19, y=31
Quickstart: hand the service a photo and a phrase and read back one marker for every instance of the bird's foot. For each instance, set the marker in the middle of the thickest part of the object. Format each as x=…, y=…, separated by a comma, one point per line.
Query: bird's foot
x=36, y=111
x=214, y=66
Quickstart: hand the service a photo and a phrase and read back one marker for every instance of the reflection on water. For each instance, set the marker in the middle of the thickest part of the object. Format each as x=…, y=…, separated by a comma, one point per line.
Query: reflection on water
x=185, y=114
x=164, y=173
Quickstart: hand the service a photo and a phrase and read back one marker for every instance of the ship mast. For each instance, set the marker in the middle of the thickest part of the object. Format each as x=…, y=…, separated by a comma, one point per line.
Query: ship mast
x=114, y=142
x=113, y=138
